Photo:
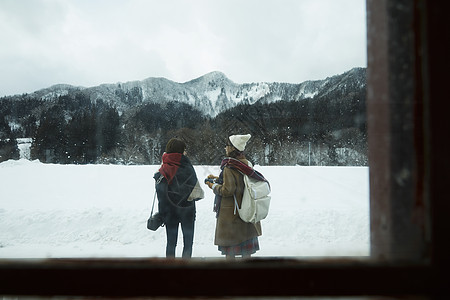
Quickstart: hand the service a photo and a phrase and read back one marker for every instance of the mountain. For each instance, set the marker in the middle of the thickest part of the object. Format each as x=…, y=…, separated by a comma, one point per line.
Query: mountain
x=320, y=122
x=211, y=94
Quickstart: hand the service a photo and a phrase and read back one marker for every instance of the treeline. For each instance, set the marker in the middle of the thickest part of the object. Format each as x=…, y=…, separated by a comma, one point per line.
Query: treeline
x=320, y=131
x=84, y=135
x=8, y=144
x=326, y=130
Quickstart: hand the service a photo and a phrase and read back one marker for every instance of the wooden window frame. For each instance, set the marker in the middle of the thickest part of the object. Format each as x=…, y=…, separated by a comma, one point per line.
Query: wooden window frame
x=407, y=126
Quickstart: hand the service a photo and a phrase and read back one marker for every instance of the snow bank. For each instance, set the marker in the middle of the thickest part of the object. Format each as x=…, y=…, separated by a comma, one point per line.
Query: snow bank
x=51, y=210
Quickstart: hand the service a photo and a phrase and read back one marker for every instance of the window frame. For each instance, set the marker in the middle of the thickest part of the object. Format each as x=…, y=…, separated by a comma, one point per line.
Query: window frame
x=408, y=169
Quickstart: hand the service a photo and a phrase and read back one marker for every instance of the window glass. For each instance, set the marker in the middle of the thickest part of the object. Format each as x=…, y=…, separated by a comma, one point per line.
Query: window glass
x=109, y=85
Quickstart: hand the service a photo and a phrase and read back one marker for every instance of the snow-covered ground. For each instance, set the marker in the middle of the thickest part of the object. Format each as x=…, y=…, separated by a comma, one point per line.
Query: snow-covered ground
x=49, y=210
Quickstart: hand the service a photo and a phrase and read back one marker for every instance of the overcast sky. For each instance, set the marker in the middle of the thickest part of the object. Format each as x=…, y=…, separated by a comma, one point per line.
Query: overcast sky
x=89, y=42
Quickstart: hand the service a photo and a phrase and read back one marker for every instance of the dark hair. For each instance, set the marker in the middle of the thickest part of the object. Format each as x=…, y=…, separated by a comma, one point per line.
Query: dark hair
x=175, y=145
x=236, y=154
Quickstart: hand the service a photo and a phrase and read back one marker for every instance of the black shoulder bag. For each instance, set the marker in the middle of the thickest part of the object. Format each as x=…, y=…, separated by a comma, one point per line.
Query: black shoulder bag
x=155, y=220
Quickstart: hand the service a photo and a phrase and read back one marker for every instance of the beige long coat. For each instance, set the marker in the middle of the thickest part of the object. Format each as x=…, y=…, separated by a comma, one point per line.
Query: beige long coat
x=230, y=229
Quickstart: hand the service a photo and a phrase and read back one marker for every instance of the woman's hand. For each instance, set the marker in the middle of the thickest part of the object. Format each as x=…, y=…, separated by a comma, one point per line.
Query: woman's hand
x=210, y=182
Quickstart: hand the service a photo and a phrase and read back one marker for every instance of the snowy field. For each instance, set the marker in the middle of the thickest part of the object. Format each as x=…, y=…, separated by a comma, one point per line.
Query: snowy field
x=56, y=211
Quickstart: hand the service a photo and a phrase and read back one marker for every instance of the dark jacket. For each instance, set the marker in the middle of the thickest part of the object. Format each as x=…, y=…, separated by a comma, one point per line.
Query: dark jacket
x=178, y=187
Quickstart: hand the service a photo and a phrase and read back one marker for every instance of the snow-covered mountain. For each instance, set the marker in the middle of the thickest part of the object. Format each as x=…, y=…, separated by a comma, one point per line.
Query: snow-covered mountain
x=211, y=93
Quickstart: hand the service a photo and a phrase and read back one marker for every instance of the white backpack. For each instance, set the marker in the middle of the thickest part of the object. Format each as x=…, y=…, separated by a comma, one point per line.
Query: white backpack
x=255, y=201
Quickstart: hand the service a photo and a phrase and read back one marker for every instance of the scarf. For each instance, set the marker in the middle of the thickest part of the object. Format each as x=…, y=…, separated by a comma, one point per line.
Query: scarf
x=241, y=167
x=170, y=164
x=236, y=164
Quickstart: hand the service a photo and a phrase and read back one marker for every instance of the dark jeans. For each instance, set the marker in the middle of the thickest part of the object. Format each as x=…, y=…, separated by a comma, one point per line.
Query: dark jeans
x=185, y=216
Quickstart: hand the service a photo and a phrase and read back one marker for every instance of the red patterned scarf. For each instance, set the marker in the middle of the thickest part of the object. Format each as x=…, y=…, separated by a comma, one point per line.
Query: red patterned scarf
x=243, y=168
x=170, y=165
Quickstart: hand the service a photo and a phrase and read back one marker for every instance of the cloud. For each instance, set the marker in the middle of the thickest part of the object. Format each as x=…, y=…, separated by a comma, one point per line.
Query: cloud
x=87, y=43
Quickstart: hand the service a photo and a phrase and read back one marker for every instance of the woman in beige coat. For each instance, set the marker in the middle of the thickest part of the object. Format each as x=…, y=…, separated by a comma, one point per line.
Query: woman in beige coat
x=233, y=236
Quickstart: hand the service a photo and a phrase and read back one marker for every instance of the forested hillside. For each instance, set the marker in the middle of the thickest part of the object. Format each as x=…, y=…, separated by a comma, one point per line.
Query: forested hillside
x=325, y=126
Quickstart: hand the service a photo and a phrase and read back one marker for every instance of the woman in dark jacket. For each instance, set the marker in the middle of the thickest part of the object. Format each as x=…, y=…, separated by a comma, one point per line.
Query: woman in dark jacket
x=177, y=193
x=233, y=236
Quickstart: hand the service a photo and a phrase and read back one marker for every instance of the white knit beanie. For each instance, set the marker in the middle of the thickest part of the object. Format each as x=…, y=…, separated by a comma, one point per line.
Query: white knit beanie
x=239, y=141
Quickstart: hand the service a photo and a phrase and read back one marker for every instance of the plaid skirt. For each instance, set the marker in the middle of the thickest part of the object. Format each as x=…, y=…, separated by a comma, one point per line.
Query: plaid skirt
x=245, y=248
